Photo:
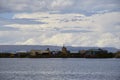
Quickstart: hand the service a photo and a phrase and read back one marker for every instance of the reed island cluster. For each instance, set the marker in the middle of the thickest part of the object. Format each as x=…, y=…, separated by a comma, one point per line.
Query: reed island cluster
x=63, y=53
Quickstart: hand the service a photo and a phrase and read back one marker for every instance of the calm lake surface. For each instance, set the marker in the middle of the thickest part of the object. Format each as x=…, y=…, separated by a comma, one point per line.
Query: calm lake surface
x=59, y=69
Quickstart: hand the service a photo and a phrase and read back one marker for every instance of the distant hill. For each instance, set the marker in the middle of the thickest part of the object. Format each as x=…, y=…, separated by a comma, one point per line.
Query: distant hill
x=22, y=48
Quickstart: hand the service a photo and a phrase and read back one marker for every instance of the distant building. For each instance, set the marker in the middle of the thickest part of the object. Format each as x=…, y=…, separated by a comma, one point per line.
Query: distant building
x=94, y=52
x=55, y=52
x=82, y=51
x=117, y=55
x=40, y=52
x=64, y=50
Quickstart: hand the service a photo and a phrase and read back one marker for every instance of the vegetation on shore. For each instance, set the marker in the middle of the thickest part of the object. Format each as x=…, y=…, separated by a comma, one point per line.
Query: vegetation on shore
x=64, y=53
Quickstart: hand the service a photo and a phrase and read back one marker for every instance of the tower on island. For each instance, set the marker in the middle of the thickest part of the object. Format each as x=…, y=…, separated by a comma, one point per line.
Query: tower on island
x=64, y=50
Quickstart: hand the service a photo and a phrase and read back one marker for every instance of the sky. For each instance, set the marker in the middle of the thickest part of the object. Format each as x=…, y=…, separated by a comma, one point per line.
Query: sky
x=91, y=23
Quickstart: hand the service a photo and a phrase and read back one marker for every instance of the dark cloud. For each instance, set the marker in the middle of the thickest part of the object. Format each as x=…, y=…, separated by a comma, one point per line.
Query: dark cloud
x=75, y=31
x=23, y=5
x=19, y=21
x=26, y=21
x=83, y=6
x=4, y=22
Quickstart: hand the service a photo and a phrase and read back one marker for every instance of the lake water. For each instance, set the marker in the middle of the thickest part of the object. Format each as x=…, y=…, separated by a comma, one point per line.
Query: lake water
x=59, y=69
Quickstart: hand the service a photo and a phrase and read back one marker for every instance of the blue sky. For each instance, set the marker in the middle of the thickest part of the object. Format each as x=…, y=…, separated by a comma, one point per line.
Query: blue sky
x=58, y=22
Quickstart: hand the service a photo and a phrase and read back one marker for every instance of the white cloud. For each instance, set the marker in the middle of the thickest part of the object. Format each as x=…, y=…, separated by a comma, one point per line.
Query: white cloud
x=108, y=39
x=69, y=29
x=98, y=22
x=61, y=4
x=29, y=41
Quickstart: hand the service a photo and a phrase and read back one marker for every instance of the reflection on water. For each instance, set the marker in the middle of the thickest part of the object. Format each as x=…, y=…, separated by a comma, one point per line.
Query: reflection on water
x=59, y=69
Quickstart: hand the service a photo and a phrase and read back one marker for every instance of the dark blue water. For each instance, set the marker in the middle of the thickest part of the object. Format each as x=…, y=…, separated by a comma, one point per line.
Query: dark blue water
x=59, y=69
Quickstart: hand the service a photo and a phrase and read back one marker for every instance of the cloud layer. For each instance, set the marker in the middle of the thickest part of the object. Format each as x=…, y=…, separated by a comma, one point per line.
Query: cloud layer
x=59, y=5
x=58, y=22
